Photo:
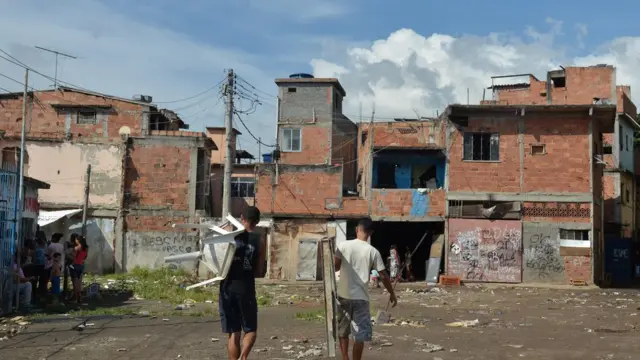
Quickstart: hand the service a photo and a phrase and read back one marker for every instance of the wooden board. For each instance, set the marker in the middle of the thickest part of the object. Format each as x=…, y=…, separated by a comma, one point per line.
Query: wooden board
x=330, y=306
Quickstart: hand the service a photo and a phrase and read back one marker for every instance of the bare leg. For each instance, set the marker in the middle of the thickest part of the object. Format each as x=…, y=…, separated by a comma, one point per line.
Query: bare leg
x=344, y=348
x=358, y=347
x=233, y=346
x=247, y=344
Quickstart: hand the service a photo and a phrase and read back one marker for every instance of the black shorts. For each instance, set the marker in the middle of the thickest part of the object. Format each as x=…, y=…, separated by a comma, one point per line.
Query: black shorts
x=238, y=312
x=76, y=271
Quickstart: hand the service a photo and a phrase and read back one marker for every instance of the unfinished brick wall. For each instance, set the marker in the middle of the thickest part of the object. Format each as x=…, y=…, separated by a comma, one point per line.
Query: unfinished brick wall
x=624, y=103
x=583, y=84
x=158, y=177
x=556, y=212
x=343, y=150
x=47, y=122
x=315, y=142
x=304, y=191
x=409, y=203
x=155, y=223
x=565, y=165
x=500, y=176
x=408, y=134
x=578, y=268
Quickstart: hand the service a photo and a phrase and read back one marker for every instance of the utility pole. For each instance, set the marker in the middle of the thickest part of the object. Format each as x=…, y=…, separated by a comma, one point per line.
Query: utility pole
x=259, y=149
x=19, y=207
x=55, y=79
x=228, y=161
x=85, y=209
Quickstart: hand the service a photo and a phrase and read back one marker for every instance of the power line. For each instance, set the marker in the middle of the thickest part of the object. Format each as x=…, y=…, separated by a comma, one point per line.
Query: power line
x=250, y=133
x=194, y=96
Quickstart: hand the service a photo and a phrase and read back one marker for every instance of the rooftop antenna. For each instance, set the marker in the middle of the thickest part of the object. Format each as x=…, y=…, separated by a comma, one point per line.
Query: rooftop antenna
x=55, y=79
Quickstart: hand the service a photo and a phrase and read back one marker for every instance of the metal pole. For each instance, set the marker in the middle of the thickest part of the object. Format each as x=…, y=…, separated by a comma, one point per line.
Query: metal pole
x=20, y=203
x=259, y=149
x=228, y=161
x=87, y=182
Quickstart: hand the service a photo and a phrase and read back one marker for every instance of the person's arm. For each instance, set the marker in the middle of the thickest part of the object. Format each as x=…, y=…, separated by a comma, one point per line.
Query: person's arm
x=337, y=259
x=378, y=264
x=262, y=255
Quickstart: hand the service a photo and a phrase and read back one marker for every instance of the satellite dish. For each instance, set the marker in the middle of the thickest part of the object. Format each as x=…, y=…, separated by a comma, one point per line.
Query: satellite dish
x=124, y=131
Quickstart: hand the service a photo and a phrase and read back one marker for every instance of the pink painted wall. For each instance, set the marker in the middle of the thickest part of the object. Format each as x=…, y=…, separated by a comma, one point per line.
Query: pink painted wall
x=485, y=250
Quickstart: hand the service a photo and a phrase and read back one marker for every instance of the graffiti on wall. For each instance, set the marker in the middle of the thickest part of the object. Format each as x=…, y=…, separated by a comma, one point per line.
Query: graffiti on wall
x=148, y=249
x=176, y=244
x=542, y=256
x=483, y=250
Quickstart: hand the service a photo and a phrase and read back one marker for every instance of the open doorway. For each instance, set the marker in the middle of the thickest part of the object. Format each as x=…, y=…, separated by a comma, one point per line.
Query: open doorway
x=407, y=235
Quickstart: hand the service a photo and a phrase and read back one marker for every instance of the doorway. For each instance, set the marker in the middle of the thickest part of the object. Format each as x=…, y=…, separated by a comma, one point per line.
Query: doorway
x=407, y=235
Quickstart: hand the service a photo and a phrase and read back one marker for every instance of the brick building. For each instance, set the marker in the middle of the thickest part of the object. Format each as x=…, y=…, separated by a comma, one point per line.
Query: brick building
x=524, y=192
x=146, y=173
x=594, y=85
x=589, y=85
x=505, y=193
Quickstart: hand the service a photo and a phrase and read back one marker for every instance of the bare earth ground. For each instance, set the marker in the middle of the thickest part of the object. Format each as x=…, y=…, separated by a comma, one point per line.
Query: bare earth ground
x=513, y=323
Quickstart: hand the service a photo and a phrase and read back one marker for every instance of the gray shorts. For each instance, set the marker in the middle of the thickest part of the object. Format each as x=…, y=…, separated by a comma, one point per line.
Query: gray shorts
x=354, y=318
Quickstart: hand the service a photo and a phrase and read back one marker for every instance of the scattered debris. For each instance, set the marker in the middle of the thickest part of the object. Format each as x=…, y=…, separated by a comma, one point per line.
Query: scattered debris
x=465, y=323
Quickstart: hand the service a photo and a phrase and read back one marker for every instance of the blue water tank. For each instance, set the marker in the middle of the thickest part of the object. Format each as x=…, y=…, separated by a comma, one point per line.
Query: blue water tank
x=301, y=76
x=266, y=158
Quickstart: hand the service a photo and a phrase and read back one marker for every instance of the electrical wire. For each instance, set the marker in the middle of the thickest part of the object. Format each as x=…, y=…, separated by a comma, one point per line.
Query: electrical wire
x=250, y=133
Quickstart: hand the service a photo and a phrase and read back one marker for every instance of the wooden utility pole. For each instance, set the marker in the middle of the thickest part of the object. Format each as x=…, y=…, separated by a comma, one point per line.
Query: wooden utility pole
x=87, y=182
x=228, y=158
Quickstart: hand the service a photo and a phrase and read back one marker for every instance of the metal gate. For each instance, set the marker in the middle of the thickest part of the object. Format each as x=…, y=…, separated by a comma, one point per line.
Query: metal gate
x=8, y=219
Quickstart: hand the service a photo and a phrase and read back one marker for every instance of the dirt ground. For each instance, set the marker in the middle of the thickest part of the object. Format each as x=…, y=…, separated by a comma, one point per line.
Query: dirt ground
x=512, y=323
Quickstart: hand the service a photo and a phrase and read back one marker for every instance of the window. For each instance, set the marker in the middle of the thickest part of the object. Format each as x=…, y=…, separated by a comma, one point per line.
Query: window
x=290, y=140
x=627, y=142
x=292, y=90
x=538, y=149
x=243, y=187
x=481, y=146
x=574, y=234
x=559, y=82
x=621, y=137
x=627, y=195
x=86, y=117
x=607, y=150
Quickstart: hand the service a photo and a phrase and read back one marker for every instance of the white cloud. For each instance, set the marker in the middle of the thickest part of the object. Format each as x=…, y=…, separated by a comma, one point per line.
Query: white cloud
x=409, y=72
x=120, y=56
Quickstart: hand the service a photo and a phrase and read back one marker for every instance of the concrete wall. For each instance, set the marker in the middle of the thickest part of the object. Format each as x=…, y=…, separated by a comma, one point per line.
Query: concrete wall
x=64, y=165
x=484, y=250
x=624, y=145
x=217, y=135
x=101, y=237
x=542, y=261
x=149, y=248
x=283, y=248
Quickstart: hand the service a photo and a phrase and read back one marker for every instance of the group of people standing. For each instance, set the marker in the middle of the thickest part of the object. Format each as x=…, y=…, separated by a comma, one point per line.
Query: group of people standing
x=42, y=267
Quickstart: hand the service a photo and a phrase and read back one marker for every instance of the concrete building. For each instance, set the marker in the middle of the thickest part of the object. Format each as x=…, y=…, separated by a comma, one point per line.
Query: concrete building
x=147, y=173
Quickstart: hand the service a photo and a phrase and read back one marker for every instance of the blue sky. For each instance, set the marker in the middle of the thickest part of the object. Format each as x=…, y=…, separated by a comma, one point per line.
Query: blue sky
x=407, y=57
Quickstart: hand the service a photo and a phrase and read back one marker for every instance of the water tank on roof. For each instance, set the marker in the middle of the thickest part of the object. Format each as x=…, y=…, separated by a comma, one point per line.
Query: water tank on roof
x=301, y=76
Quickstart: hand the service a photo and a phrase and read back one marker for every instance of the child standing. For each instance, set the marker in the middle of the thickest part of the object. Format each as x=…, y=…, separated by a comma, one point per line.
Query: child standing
x=56, y=273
